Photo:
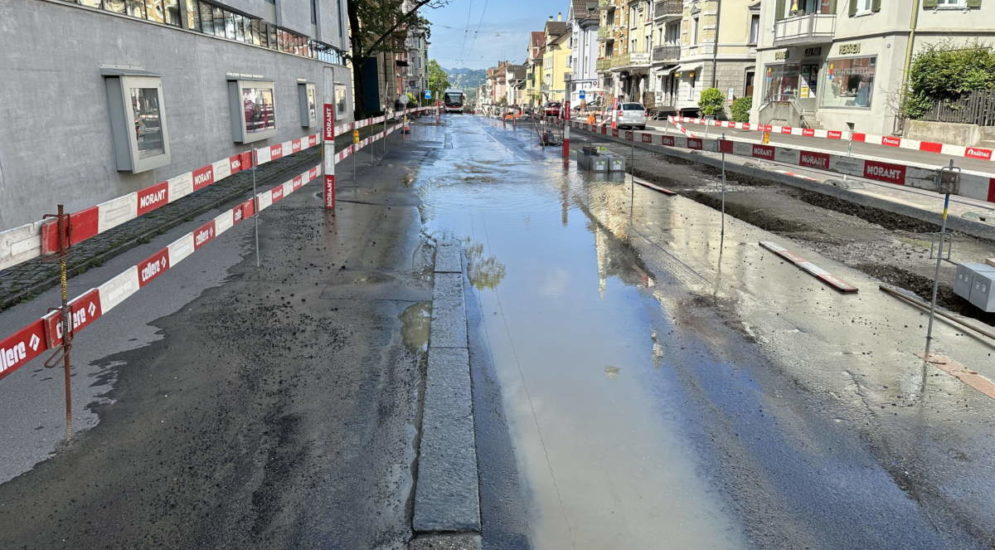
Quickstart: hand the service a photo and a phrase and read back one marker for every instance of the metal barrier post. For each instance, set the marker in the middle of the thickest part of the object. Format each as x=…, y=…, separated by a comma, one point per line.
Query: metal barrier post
x=66, y=324
x=255, y=166
x=948, y=182
x=355, y=153
x=722, y=231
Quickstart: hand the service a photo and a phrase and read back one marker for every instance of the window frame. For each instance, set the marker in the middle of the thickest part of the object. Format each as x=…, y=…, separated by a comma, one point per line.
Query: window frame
x=127, y=154
x=240, y=132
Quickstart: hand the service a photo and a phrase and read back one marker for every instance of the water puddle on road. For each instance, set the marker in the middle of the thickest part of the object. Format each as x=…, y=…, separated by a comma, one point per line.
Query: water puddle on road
x=574, y=340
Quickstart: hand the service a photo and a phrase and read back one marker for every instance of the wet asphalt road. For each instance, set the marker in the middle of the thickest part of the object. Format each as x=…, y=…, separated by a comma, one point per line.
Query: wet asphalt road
x=647, y=408
x=279, y=408
x=633, y=387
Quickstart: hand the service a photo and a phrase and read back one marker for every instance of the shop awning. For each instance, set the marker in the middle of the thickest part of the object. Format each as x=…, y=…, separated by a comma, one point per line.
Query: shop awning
x=684, y=71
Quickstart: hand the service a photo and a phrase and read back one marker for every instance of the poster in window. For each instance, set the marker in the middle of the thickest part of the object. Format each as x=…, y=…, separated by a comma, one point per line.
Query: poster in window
x=257, y=106
x=850, y=82
x=138, y=121
x=340, y=99
x=148, y=122
x=253, y=108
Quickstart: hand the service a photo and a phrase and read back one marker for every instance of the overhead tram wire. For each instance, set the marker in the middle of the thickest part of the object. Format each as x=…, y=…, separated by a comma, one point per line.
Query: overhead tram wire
x=480, y=22
x=466, y=31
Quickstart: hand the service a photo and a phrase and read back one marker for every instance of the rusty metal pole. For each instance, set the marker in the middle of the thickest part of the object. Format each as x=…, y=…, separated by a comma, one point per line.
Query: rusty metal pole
x=67, y=332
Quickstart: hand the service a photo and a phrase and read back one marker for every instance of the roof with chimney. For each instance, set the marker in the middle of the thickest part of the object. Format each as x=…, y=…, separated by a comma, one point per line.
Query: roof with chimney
x=584, y=9
x=556, y=28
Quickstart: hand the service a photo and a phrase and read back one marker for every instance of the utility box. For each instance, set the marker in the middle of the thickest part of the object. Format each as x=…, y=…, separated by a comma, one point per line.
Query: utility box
x=974, y=283
x=982, y=294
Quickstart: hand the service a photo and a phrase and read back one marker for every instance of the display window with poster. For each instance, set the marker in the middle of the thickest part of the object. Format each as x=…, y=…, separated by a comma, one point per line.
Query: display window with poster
x=253, y=110
x=138, y=120
x=849, y=82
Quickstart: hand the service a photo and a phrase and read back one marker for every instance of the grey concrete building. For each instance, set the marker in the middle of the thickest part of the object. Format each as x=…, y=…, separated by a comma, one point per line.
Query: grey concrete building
x=104, y=97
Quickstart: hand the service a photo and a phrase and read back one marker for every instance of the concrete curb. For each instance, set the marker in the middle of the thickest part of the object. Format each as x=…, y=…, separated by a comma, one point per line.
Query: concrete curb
x=447, y=494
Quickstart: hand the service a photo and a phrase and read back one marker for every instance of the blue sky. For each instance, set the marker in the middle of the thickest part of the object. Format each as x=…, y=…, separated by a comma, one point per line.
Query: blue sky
x=504, y=27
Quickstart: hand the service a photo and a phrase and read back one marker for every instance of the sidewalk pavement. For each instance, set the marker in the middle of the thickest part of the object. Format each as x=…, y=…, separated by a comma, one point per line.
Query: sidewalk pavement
x=26, y=280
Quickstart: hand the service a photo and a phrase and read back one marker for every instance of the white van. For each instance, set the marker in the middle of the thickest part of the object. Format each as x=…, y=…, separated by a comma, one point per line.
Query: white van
x=632, y=115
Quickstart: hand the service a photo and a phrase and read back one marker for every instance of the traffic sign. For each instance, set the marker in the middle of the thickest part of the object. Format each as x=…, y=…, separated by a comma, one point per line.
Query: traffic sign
x=428, y=94
x=581, y=95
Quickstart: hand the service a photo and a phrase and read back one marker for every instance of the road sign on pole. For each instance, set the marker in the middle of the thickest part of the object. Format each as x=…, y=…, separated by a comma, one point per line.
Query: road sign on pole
x=581, y=95
x=428, y=94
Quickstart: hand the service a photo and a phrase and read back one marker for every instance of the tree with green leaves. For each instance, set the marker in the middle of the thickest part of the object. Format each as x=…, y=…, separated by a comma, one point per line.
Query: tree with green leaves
x=945, y=73
x=711, y=101
x=438, y=80
x=380, y=26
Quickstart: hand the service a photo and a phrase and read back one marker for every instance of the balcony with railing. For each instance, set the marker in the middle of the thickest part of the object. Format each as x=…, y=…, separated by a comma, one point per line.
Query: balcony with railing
x=666, y=54
x=813, y=28
x=668, y=9
x=603, y=64
x=606, y=33
x=605, y=3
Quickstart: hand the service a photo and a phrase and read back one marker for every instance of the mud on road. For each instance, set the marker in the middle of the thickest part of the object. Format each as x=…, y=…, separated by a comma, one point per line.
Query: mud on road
x=891, y=247
x=280, y=409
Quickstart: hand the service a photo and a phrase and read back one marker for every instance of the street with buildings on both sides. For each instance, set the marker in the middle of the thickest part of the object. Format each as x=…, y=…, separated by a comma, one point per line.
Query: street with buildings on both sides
x=320, y=297
x=639, y=378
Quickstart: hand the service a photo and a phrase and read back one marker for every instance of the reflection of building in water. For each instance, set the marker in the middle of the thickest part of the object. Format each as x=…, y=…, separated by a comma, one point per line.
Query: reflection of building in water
x=607, y=204
x=484, y=271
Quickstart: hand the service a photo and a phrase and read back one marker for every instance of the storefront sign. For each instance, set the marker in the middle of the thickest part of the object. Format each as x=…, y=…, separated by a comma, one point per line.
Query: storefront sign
x=782, y=55
x=813, y=52
x=850, y=49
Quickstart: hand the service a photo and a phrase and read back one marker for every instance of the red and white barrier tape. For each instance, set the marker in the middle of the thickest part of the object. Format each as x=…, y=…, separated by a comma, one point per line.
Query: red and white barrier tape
x=977, y=153
x=46, y=332
x=973, y=185
x=39, y=238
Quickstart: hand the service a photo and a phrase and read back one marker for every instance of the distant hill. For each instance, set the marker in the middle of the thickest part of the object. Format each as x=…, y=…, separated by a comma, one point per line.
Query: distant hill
x=466, y=79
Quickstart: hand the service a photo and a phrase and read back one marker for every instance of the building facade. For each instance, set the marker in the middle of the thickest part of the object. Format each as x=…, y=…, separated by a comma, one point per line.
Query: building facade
x=117, y=95
x=555, y=60
x=584, y=18
x=830, y=63
x=533, y=68
x=718, y=50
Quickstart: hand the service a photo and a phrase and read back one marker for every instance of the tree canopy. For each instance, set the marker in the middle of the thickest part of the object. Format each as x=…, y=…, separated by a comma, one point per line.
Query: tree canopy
x=438, y=80
x=946, y=72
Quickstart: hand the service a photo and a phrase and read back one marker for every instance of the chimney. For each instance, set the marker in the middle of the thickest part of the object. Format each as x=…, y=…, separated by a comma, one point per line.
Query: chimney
x=559, y=16
x=550, y=17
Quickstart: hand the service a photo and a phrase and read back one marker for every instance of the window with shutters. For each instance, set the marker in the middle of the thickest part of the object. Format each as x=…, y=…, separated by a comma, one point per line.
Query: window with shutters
x=951, y=3
x=863, y=6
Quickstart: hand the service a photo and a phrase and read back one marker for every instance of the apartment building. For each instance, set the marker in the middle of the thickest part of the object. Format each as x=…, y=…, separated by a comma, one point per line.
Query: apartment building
x=555, y=59
x=718, y=50
x=533, y=68
x=105, y=97
x=830, y=63
x=625, y=35
x=584, y=20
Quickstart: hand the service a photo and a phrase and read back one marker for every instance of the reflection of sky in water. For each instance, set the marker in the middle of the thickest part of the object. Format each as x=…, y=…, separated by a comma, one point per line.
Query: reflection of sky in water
x=570, y=330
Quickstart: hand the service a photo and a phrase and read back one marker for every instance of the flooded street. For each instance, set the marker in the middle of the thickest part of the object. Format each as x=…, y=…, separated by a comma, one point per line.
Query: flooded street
x=650, y=399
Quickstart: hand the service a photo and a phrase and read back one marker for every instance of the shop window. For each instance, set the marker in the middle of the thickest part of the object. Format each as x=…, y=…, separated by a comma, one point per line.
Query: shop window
x=340, y=99
x=781, y=82
x=138, y=121
x=253, y=110
x=850, y=82
x=308, y=96
x=116, y=6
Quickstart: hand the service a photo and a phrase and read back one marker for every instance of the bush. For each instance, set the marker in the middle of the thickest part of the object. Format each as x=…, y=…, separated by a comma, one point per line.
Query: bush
x=741, y=109
x=711, y=101
x=945, y=72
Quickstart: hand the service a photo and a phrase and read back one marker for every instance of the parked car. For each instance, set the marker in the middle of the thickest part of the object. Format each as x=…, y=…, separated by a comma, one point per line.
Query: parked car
x=632, y=115
x=552, y=109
